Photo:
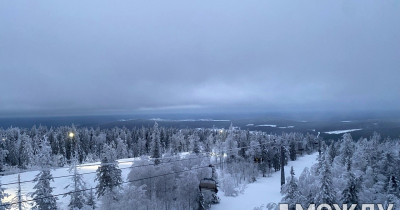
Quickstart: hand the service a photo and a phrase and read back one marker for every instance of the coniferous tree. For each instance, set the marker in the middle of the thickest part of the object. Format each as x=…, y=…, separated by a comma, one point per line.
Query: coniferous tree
x=176, y=142
x=44, y=200
x=350, y=193
x=3, y=195
x=19, y=193
x=291, y=191
x=326, y=194
x=202, y=203
x=108, y=175
x=292, y=150
x=156, y=144
x=121, y=149
x=346, y=149
x=332, y=152
x=276, y=161
x=91, y=199
x=196, y=144
x=282, y=165
x=3, y=155
x=261, y=156
x=26, y=157
x=77, y=187
x=231, y=145
x=392, y=196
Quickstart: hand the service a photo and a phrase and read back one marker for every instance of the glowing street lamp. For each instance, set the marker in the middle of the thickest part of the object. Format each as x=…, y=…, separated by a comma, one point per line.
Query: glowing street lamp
x=71, y=135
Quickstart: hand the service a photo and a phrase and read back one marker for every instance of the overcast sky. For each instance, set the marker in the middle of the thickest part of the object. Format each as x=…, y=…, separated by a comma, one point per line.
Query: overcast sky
x=106, y=57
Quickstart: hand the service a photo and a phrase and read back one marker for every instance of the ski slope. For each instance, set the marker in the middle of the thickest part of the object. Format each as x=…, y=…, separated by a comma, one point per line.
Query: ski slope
x=265, y=190
x=59, y=183
x=262, y=192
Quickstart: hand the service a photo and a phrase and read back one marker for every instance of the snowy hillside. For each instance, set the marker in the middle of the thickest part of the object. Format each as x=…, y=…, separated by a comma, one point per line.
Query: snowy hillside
x=265, y=190
x=88, y=172
x=262, y=192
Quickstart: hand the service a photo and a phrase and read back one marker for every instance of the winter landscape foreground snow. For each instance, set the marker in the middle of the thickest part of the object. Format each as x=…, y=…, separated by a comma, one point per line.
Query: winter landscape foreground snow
x=257, y=194
x=61, y=180
x=265, y=190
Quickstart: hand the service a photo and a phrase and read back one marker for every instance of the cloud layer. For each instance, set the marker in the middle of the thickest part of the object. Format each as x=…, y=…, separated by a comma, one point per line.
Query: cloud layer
x=90, y=57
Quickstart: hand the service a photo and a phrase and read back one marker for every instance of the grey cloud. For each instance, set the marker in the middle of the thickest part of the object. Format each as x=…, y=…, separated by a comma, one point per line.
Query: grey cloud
x=121, y=57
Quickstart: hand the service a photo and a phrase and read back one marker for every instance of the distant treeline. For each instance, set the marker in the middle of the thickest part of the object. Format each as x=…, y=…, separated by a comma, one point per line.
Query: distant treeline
x=19, y=146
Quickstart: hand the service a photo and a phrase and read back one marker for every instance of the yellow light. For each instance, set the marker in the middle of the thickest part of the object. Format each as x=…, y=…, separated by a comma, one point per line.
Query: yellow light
x=71, y=135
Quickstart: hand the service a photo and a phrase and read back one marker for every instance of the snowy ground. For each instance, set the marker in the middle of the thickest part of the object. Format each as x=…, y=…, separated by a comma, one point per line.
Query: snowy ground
x=272, y=126
x=343, y=131
x=264, y=190
x=59, y=183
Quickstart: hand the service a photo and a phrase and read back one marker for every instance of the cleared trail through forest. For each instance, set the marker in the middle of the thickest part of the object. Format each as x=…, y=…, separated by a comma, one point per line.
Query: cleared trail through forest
x=265, y=190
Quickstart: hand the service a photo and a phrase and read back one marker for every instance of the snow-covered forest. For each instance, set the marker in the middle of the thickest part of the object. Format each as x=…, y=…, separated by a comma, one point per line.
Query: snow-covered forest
x=167, y=164
x=349, y=172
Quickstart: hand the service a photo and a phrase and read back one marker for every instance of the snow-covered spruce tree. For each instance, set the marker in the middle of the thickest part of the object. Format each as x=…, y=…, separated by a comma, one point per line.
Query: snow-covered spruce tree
x=202, y=203
x=3, y=155
x=393, y=192
x=121, y=149
x=291, y=191
x=393, y=187
x=156, y=144
x=11, y=144
x=292, y=150
x=176, y=142
x=263, y=155
x=346, y=149
x=188, y=190
x=77, y=187
x=2, y=196
x=133, y=198
x=276, y=161
x=326, y=193
x=141, y=169
x=231, y=145
x=108, y=176
x=194, y=140
x=350, y=193
x=44, y=200
x=332, y=152
x=91, y=199
x=309, y=186
x=208, y=144
x=26, y=157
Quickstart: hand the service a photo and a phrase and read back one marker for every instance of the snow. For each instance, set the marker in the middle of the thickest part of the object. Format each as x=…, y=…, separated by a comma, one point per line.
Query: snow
x=345, y=121
x=272, y=126
x=211, y=120
x=190, y=120
x=59, y=183
x=124, y=120
x=342, y=131
x=250, y=124
x=265, y=190
x=290, y=126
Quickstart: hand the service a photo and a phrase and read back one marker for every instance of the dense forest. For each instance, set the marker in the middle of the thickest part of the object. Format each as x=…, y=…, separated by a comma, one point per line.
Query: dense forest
x=169, y=163
x=19, y=147
x=350, y=172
